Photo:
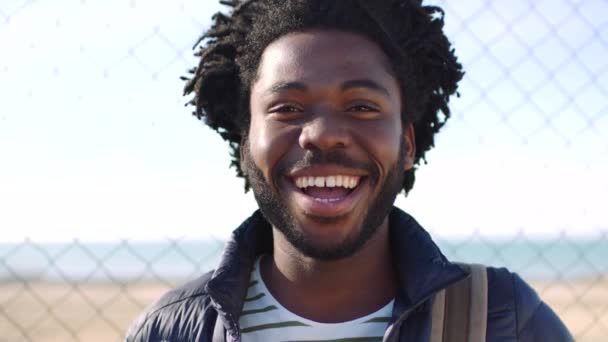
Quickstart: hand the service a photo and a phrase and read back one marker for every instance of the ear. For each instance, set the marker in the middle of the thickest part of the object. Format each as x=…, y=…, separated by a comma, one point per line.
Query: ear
x=409, y=138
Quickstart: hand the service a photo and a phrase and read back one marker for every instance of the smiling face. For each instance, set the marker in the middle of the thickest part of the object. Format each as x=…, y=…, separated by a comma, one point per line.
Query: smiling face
x=326, y=148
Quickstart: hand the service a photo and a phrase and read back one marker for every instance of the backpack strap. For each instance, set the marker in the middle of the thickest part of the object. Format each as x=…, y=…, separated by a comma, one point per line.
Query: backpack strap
x=479, y=303
x=459, y=312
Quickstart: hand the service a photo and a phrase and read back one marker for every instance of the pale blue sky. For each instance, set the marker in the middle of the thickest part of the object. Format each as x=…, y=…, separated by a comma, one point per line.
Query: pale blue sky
x=95, y=142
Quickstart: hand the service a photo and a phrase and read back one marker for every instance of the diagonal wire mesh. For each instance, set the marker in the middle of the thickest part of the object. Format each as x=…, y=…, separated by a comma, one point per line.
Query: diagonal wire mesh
x=537, y=79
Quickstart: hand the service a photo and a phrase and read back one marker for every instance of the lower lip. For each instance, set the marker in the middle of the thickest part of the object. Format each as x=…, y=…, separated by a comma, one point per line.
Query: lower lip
x=333, y=208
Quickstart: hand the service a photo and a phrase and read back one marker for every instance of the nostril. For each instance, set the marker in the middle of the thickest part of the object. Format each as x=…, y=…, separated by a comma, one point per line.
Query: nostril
x=324, y=141
x=309, y=146
x=324, y=132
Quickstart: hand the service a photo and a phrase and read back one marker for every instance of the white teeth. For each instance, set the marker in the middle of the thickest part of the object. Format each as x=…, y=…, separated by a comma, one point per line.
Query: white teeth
x=319, y=182
x=348, y=182
x=327, y=200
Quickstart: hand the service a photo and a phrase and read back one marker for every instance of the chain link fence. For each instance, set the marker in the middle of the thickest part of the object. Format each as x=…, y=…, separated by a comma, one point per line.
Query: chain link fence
x=536, y=82
x=90, y=292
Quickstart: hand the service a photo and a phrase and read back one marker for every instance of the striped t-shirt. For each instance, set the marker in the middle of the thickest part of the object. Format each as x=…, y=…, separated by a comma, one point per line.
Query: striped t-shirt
x=264, y=319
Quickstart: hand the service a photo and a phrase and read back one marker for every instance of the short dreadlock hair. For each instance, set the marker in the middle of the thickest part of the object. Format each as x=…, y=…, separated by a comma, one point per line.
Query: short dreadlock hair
x=409, y=33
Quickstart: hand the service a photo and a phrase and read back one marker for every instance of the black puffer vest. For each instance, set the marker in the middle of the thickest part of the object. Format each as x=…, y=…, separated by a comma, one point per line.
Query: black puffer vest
x=207, y=309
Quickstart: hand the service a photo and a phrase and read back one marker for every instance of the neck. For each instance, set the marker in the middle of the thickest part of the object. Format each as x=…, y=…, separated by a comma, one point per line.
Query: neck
x=353, y=287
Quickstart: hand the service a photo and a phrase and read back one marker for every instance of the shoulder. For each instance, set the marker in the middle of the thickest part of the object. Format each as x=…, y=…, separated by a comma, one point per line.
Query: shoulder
x=182, y=308
x=515, y=304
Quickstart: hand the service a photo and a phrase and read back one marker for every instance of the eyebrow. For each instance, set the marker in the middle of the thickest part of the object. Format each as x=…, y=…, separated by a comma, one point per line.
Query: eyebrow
x=364, y=83
x=285, y=86
x=348, y=85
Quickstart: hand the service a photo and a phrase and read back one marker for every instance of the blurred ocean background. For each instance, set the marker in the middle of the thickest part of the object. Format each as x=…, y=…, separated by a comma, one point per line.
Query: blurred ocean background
x=127, y=261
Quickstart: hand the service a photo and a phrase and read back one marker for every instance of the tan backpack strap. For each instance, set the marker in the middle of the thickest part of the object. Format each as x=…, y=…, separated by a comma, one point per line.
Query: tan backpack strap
x=457, y=308
x=459, y=312
x=479, y=303
x=438, y=317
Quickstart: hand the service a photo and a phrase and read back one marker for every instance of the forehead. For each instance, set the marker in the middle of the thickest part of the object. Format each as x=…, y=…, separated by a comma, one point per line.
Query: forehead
x=322, y=56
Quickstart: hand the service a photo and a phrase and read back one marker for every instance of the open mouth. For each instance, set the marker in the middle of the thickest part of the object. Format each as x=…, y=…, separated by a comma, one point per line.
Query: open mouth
x=327, y=195
x=328, y=189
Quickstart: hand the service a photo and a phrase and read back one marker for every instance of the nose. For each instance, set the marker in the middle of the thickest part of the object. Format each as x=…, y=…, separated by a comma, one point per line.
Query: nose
x=324, y=132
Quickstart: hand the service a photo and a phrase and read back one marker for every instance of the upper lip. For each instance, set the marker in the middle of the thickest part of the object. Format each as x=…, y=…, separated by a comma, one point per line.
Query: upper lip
x=325, y=170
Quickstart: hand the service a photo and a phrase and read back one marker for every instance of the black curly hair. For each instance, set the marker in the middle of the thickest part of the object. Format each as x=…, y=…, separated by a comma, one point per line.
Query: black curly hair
x=411, y=35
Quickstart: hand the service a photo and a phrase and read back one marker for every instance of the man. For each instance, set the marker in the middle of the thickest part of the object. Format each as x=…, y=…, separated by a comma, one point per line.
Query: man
x=327, y=106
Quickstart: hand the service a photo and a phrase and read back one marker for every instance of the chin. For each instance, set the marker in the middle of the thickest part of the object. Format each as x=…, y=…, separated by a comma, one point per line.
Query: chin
x=325, y=227
x=327, y=238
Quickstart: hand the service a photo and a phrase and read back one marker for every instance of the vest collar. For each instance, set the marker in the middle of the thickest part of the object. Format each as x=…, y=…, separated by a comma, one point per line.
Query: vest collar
x=420, y=266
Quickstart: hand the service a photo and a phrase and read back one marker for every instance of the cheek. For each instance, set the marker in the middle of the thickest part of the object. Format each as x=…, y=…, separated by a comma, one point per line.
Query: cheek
x=268, y=144
x=382, y=141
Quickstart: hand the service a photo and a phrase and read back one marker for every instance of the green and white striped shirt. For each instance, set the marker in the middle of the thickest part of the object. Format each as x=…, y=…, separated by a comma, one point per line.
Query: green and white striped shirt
x=264, y=319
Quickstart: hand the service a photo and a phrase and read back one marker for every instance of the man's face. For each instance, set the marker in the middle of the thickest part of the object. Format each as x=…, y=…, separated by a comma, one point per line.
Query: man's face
x=326, y=148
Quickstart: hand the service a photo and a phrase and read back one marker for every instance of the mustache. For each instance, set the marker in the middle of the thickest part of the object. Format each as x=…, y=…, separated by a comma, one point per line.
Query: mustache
x=334, y=157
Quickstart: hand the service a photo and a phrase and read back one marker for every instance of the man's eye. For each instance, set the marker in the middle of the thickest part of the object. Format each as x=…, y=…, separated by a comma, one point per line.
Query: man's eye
x=285, y=109
x=362, y=108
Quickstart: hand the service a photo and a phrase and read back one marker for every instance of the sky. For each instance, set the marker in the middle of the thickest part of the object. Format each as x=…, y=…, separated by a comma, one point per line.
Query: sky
x=96, y=143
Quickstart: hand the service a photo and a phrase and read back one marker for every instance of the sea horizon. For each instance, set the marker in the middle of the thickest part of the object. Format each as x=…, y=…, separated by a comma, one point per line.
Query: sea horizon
x=128, y=261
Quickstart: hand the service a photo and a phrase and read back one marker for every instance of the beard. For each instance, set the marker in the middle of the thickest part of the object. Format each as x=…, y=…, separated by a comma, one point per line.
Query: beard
x=275, y=210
